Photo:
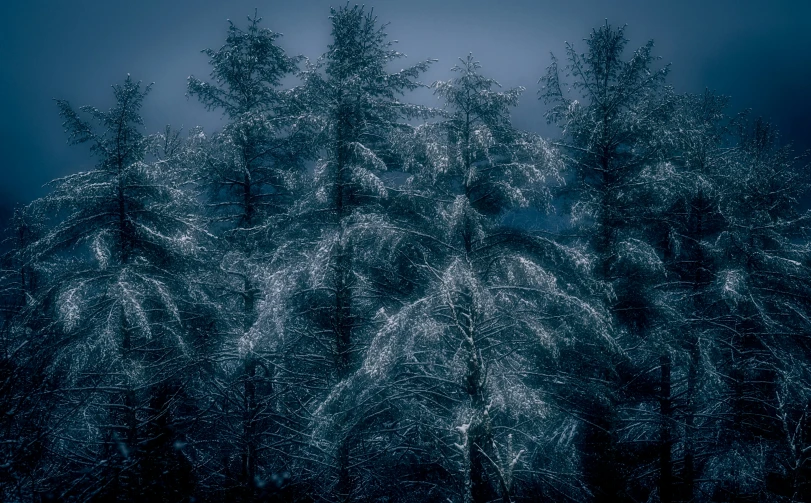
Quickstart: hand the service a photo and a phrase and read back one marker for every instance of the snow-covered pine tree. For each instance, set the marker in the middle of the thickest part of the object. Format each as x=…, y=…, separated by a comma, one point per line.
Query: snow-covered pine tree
x=116, y=251
x=455, y=371
x=612, y=132
x=686, y=193
x=491, y=285
x=250, y=172
x=25, y=381
x=731, y=240
x=762, y=283
x=319, y=312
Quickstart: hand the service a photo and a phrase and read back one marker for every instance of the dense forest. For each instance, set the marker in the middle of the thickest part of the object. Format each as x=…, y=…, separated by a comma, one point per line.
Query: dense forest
x=345, y=296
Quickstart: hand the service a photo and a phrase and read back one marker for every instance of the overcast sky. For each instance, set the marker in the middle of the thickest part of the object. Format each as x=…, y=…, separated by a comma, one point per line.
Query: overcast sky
x=755, y=51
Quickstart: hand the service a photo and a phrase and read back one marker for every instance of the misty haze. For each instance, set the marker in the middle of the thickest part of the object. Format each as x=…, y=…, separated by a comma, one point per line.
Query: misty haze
x=515, y=269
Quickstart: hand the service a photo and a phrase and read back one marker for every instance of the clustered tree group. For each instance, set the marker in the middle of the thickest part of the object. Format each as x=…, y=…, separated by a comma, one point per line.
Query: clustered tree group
x=341, y=296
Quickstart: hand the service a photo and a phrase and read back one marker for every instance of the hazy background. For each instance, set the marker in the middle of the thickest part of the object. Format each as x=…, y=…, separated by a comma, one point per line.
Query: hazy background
x=755, y=51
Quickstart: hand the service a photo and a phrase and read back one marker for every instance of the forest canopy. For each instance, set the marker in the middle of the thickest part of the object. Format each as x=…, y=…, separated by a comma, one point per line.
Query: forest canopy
x=343, y=295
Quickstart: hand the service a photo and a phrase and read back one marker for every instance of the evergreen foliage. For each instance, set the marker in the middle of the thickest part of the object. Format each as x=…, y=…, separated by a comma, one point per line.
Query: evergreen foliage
x=337, y=296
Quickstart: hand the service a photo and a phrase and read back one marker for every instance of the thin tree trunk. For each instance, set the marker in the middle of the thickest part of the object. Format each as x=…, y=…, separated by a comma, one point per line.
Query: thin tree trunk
x=689, y=421
x=342, y=301
x=249, y=428
x=665, y=454
x=344, y=488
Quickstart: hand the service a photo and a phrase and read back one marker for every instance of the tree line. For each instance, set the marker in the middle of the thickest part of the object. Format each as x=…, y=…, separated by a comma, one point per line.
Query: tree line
x=344, y=296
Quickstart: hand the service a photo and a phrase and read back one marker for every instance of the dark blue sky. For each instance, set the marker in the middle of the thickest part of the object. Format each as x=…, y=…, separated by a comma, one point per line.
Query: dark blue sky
x=755, y=51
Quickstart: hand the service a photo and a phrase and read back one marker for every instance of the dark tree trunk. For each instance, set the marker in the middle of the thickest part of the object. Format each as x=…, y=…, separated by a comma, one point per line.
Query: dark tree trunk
x=600, y=468
x=249, y=429
x=665, y=454
x=343, y=314
x=344, y=488
x=689, y=476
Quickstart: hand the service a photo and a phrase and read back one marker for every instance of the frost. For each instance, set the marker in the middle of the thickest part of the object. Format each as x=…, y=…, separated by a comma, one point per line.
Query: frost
x=341, y=295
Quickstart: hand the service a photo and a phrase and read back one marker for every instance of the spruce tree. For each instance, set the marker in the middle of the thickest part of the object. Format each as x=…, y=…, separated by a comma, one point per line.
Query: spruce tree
x=321, y=307
x=453, y=369
x=249, y=173
x=117, y=251
x=613, y=124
